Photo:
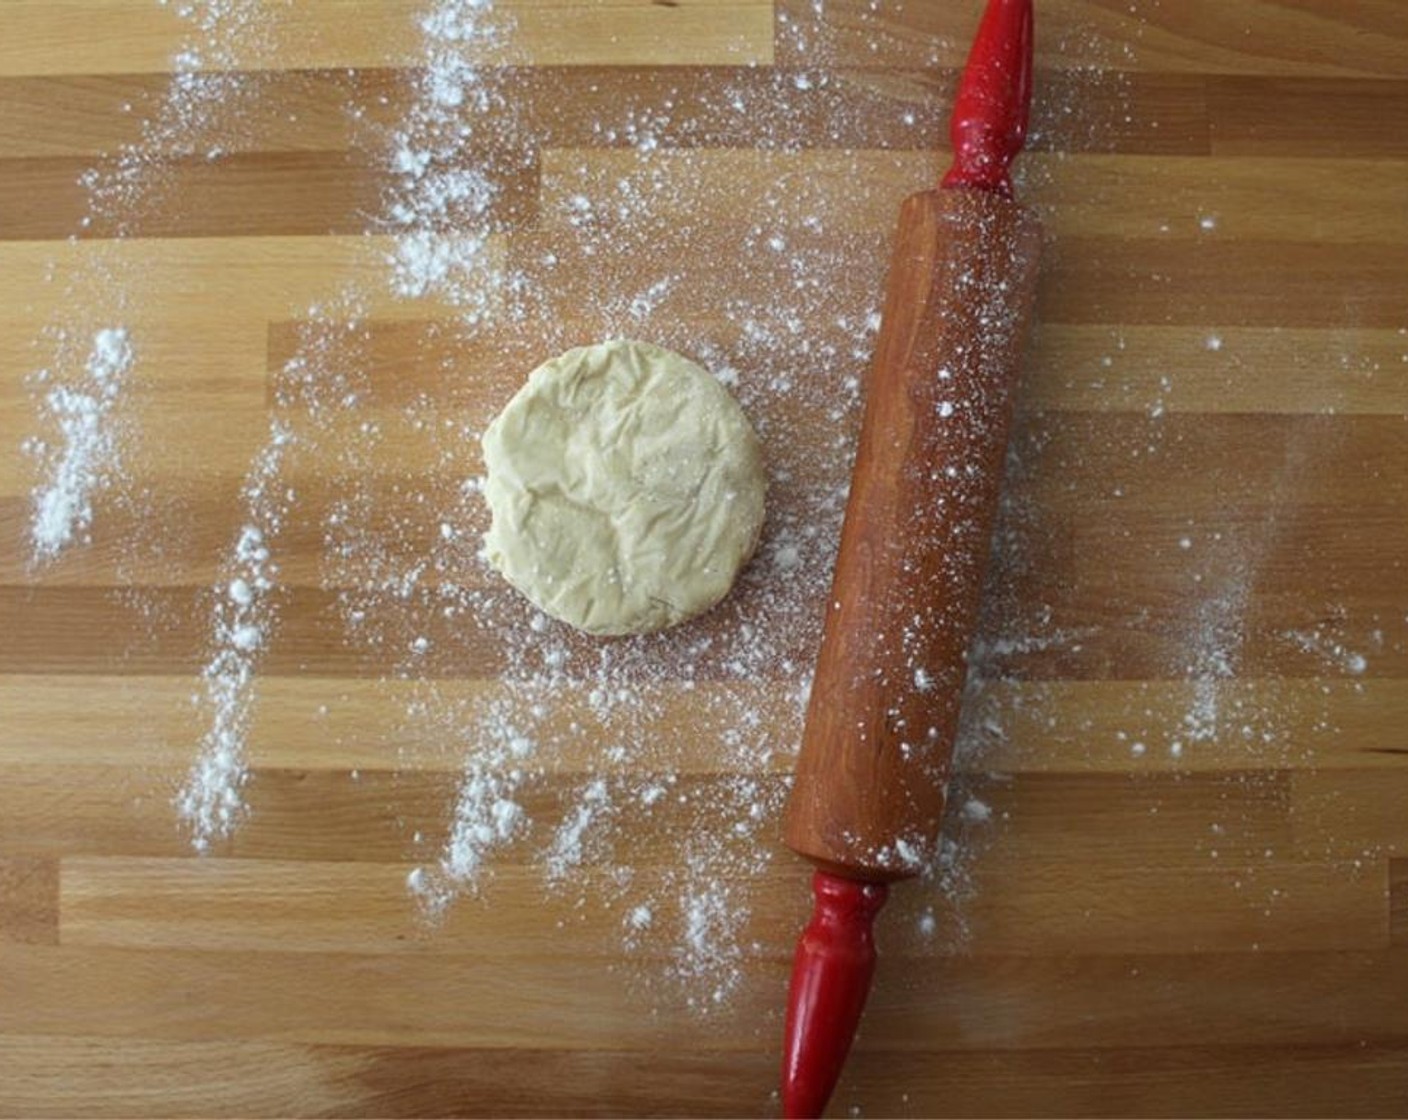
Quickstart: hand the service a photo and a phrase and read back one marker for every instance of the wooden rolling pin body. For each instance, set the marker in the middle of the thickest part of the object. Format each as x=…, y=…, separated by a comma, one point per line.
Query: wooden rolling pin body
x=883, y=715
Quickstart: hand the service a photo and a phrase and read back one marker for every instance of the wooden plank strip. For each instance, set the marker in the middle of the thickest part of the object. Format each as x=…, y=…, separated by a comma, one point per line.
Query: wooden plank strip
x=29, y=901
x=1309, y=1081
x=98, y=1077
x=1193, y=869
x=1148, y=113
x=1094, y=631
x=470, y=370
x=1023, y=728
x=342, y=998
x=1129, y=726
x=48, y=1076
x=1327, y=999
x=259, y=278
x=606, y=107
x=198, y=533
x=1114, y=632
x=89, y=629
x=428, y=449
x=1346, y=118
x=1200, y=199
x=73, y=37
x=141, y=722
x=1072, y=368
x=108, y=810
x=695, y=1079
x=95, y=116
x=1215, y=283
x=1335, y=538
x=814, y=106
x=259, y=194
x=242, y=906
x=1215, y=1000
x=82, y=630
x=94, y=810
x=105, y=1077
x=1029, y=907
x=572, y=107
x=1052, y=909
x=1155, y=821
x=1084, y=280
x=451, y=371
x=1201, y=36
x=352, y=816
x=100, y=36
x=185, y=368
x=1119, y=368
x=1168, y=464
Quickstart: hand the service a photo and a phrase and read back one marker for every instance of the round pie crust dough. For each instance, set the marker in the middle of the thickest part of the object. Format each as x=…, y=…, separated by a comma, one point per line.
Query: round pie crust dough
x=626, y=487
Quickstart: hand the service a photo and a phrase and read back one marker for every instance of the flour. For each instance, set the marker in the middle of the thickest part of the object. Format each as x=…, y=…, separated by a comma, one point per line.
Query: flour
x=440, y=206
x=85, y=459
x=486, y=817
x=1217, y=643
x=684, y=738
x=712, y=918
x=1321, y=642
x=201, y=113
x=566, y=851
x=211, y=801
x=197, y=112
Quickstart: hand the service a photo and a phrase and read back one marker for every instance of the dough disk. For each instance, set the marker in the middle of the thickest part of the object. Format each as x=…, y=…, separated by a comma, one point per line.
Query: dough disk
x=626, y=487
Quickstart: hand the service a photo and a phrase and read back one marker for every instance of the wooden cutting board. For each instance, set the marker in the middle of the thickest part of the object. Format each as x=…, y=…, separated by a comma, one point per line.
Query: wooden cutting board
x=1180, y=884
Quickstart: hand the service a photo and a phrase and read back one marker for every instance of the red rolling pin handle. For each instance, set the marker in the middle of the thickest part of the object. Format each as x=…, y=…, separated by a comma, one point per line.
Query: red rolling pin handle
x=871, y=775
x=830, y=980
x=988, y=124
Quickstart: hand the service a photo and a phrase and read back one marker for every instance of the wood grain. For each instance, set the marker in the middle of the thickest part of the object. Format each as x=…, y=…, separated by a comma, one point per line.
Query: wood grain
x=264, y=194
x=29, y=901
x=596, y=106
x=1179, y=879
x=93, y=36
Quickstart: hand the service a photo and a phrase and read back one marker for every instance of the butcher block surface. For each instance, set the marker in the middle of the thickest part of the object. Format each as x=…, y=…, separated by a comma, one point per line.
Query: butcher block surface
x=1176, y=874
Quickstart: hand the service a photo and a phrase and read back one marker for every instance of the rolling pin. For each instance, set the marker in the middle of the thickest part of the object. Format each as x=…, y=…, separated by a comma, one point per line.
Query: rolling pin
x=878, y=740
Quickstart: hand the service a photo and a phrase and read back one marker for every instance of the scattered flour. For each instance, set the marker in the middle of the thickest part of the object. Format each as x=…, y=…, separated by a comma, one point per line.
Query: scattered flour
x=198, y=112
x=1321, y=642
x=1217, y=643
x=977, y=811
x=768, y=329
x=440, y=206
x=211, y=802
x=566, y=851
x=486, y=817
x=86, y=455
